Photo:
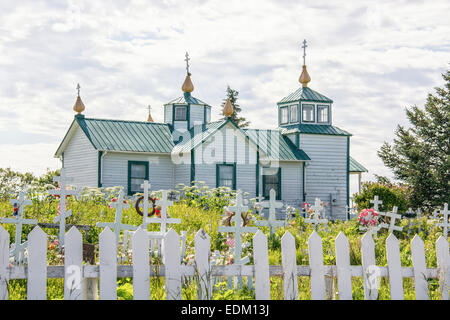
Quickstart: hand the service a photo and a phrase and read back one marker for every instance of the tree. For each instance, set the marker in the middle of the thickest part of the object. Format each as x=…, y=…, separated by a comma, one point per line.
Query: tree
x=233, y=96
x=420, y=155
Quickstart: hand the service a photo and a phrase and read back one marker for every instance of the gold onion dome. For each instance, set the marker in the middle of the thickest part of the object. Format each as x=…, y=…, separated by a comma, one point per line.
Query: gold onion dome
x=187, y=84
x=304, y=77
x=78, y=106
x=228, y=108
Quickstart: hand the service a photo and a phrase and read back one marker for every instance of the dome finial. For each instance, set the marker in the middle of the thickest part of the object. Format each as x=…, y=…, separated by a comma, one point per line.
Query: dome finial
x=79, y=105
x=187, y=84
x=149, y=119
x=304, y=77
x=228, y=109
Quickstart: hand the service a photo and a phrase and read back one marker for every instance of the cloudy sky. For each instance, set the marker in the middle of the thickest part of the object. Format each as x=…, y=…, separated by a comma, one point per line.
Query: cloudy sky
x=372, y=58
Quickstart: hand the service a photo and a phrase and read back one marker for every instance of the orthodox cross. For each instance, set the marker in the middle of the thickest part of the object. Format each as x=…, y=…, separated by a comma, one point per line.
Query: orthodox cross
x=271, y=222
x=376, y=202
x=238, y=228
x=410, y=216
x=146, y=186
x=19, y=220
x=117, y=225
x=392, y=215
x=445, y=223
x=62, y=192
x=315, y=216
x=304, y=51
x=78, y=89
x=164, y=220
x=187, y=62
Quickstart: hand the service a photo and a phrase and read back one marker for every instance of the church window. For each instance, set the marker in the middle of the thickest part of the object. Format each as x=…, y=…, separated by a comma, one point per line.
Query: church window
x=322, y=114
x=284, y=115
x=272, y=180
x=137, y=173
x=308, y=113
x=294, y=113
x=208, y=114
x=180, y=113
x=226, y=175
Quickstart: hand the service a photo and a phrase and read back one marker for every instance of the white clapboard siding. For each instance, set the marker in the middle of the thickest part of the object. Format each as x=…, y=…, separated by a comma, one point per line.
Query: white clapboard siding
x=443, y=261
x=344, y=274
x=108, y=265
x=394, y=267
x=202, y=242
x=291, y=181
x=73, y=267
x=261, y=258
x=368, y=265
x=141, y=265
x=37, y=265
x=289, y=262
x=316, y=263
x=4, y=263
x=197, y=114
x=172, y=265
x=420, y=268
x=168, y=113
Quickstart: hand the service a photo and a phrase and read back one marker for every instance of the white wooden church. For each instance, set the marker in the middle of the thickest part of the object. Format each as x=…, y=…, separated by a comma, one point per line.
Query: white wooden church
x=305, y=158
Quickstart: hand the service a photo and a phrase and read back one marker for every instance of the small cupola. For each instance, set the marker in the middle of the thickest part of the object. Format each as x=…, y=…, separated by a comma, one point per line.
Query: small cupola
x=228, y=109
x=79, y=105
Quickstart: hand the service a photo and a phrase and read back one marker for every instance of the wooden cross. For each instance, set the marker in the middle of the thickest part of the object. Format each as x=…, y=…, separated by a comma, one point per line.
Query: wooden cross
x=146, y=186
x=259, y=199
x=164, y=220
x=63, y=193
x=19, y=220
x=238, y=229
x=445, y=223
x=376, y=202
x=392, y=215
x=117, y=225
x=317, y=208
x=271, y=222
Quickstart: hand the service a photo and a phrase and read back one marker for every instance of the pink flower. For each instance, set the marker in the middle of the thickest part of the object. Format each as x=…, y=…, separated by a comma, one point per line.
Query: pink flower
x=230, y=242
x=56, y=242
x=368, y=217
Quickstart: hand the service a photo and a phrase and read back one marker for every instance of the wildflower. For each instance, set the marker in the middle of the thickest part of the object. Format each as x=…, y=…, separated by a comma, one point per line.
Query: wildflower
x=51, y=246
x=230, y=242
x=56, y=242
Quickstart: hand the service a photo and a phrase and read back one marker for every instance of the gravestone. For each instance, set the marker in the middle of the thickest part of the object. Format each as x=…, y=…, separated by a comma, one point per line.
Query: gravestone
x=272, y=205
x=316, y=214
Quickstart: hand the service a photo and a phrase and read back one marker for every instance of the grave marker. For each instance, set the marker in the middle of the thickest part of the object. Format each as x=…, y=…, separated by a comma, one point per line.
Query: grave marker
x=315, y=216
x=272, y=205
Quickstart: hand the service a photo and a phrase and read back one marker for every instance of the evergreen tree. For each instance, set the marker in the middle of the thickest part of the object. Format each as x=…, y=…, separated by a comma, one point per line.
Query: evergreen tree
x=233, y=96
x=420, y=155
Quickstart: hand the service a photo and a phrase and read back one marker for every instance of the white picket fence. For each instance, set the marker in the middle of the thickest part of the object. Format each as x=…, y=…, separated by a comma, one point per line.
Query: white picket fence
x=80, y=280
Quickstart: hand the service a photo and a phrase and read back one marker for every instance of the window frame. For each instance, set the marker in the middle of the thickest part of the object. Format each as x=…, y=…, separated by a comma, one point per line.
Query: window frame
x=291, y=113
x=218, y=165
x=287, y=114
x=267, y=196
x=323, y=106
x=313, y=112
x=207, y=113
x=133, y=162
x=175, y=113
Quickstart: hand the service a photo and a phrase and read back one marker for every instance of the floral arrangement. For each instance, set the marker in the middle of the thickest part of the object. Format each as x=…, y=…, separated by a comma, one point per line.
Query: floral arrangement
x=368, y=218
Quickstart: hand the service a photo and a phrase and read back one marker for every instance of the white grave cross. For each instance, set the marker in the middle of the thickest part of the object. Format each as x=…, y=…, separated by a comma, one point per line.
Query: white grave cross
x=271, y=222
x=315, y=216
x=376, y=202
x=62, y=192
x=146, y=186
x=445, y=223
x=392, y=215
x=19, y=220
x=117, y=225
x=164, y=220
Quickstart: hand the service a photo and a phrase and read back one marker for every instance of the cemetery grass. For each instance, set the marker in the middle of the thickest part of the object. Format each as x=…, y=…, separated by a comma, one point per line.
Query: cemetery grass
x=89, y=212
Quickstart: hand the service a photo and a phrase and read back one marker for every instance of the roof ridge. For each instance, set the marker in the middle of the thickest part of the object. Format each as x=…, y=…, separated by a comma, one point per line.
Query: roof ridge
x=134, y=121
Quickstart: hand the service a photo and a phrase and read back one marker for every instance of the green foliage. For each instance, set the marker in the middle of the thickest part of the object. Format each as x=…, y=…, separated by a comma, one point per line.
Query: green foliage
x=233, y=96
x=420, y=155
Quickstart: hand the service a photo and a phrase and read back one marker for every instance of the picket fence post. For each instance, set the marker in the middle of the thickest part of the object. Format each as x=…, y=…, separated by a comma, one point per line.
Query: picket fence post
x=172, y=265
x=443, y=261
x=202, y=243
x=394, y=267
x=419, y=268
x=37, y=265
x=344, y=275
x=368, y=265
x=73, y=267
x=141, y=265
x=316, y=264
x=289, y=261
x=4, y=263
x=108, y=264
x=261, y=258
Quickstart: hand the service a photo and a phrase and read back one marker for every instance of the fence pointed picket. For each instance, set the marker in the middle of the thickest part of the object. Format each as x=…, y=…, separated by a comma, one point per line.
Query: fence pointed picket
x=261, y=258
x=419, y=268
x=394, y=267
x=316, y=263
x=73, y=268
x=344, y=275
x=4, y=263
x=172, y=265
x=369, y=267
x=141, y=265
x=289, y=261
x=108, y=265
x=37, y=265
x=202, y=251
x=443, y=261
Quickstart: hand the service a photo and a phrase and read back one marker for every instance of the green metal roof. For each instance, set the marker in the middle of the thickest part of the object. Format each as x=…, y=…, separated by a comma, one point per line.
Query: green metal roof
x=185, y=99
x=305, y=94
x=120, y=135
x=314, y=129
x=355, y=166
x=287, y=151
